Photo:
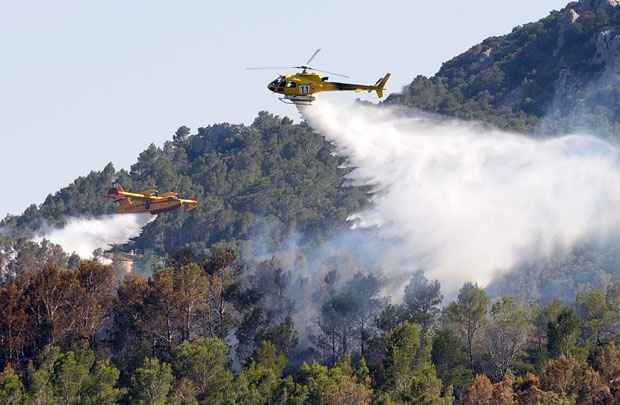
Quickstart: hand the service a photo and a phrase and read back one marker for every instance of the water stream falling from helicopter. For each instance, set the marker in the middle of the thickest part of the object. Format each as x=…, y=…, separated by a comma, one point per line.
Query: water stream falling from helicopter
x=470, y=201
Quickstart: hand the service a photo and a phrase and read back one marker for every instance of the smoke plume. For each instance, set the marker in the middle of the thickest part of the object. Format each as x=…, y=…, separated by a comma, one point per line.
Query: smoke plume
x=464, y=202
x=85, y=235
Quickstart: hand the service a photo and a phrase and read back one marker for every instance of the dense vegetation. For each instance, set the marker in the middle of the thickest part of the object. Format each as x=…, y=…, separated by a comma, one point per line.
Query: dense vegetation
x=553, y=75
x=273, y=173
x=210, y=330
x=563, y=274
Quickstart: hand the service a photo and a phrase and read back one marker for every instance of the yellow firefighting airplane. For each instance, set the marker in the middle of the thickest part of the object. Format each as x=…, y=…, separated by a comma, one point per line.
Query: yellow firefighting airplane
x=148, y=201
x=299, y=88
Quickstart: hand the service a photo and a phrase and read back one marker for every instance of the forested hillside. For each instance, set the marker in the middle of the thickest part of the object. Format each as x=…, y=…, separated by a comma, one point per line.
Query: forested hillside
x=555, y=75
x=211, y=331
x=550, y=77
x=275, y=179
x=563, y=274
x=272, y=176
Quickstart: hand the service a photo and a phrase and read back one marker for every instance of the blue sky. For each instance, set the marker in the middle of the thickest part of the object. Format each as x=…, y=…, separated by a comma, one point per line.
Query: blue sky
x=84, y=83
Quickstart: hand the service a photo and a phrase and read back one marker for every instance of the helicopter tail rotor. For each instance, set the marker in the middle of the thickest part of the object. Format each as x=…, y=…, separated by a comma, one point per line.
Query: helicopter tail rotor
x=380, y=84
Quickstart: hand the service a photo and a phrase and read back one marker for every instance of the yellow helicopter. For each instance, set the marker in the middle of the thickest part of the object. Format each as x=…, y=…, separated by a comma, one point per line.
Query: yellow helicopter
x=299, y=88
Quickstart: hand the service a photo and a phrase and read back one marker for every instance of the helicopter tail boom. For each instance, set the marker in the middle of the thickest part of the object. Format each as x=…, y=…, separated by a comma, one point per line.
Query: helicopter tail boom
x=377, y=87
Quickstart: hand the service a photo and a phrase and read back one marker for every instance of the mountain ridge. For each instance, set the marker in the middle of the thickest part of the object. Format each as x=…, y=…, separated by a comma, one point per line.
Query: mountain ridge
x=552, y=76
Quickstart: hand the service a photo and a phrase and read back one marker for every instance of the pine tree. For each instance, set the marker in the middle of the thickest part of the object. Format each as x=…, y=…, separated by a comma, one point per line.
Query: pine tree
x=151, y=383
x=11, y=388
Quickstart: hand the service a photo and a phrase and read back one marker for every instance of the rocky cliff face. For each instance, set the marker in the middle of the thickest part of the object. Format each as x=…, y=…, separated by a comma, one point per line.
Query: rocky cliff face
x=555, y=75
x=588, y=101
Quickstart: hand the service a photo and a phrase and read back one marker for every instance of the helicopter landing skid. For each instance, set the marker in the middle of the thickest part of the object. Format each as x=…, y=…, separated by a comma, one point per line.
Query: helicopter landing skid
x=298, y=100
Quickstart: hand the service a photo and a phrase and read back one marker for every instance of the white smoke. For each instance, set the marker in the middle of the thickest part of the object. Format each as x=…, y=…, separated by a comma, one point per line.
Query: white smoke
x=85, y=235
x=469, y=202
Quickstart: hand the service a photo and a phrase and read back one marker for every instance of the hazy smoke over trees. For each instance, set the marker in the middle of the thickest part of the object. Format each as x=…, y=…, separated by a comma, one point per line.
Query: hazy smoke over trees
x=464, y=201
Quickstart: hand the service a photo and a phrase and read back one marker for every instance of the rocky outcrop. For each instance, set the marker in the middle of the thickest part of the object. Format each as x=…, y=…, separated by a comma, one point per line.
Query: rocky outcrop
x=557, y=74
x=596, y=4
x=573, y=16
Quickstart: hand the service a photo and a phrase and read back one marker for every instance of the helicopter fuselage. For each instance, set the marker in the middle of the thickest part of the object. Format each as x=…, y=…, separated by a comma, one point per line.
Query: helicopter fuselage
x=299, y=88
x=307, y=84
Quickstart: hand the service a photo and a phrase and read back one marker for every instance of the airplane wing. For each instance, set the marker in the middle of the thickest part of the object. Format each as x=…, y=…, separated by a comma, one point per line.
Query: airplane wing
x=118, y=194
x=149, y=192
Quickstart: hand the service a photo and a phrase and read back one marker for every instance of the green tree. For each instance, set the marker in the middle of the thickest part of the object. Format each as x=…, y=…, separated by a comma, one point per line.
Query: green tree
x=421, y=304
x=562, y=333
x=71, y=375
x=468, y=313
x=336, y=385
x=11, y=388
x=595, y=313
x=181, y=134
x=422, y=301
x=283, y=336
x=362, y=373
x=449, y=355
x=390, y=317
x=41, y=389
x=346, y=316
x=204, y=363
x=506, y=335
x=151, y=383
x=259, y=381
x=268, y=356
x=100, y=387
x=541, y=316
x=410, y=377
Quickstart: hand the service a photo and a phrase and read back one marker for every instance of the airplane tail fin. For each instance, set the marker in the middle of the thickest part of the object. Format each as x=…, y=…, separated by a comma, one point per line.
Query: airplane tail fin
x=381, y=84
x=115, y=192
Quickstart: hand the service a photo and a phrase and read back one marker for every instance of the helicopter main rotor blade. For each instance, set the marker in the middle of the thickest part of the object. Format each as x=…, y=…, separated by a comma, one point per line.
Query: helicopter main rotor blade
x=330, y=73
x=313, y=55
x=269, y=67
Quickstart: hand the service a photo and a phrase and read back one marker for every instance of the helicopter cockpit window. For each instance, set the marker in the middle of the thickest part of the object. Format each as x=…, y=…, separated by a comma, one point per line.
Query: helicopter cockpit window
x=279, y=82
x=291, y=84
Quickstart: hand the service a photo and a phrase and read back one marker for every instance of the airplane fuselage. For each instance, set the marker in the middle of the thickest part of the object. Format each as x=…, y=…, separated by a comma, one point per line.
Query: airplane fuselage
x=137, y=203
x=152, y=207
